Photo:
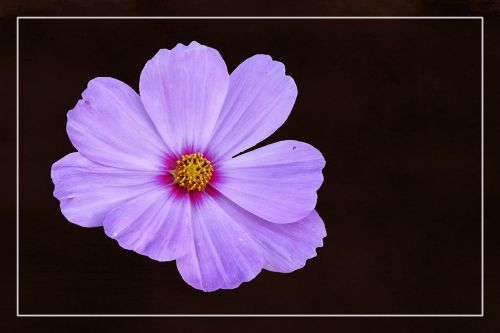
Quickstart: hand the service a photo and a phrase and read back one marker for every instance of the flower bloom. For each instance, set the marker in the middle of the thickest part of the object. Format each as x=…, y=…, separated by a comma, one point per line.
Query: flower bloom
x=157, y=171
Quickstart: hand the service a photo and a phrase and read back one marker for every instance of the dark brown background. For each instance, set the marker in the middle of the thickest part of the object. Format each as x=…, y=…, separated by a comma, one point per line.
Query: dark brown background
x=394, y=106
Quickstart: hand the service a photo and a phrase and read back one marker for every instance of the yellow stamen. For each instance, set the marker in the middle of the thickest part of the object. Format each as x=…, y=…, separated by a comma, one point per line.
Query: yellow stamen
x=193, y=172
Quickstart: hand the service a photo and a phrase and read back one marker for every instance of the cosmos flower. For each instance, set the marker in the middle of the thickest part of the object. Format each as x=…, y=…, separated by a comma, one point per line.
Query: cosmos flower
x=160, y=171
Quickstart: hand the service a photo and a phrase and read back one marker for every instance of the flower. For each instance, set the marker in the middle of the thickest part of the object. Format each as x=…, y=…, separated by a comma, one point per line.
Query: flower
x=158, y=172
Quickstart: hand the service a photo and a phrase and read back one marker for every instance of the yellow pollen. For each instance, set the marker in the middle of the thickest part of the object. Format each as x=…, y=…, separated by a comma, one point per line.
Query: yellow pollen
x=193, y=172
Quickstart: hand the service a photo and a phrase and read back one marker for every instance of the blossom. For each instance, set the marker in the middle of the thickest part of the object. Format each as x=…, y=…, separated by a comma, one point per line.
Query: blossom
x=160, y=170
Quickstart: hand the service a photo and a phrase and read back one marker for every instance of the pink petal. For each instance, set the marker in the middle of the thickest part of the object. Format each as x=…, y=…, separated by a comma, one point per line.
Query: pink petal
x=87, y=190
x=259, y=100
x=277, y=182
x=285, y=247
x=223, y=255
x=110, y=126
x=183, y=90
x=156, y=224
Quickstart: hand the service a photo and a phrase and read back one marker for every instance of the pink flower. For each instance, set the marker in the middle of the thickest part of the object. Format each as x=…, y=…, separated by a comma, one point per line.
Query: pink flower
x=157, y=171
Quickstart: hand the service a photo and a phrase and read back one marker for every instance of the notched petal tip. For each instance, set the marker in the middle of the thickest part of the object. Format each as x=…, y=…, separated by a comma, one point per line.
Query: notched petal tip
x=267, y=65
x=198, y=285
x=192, y=45
x=181, y=49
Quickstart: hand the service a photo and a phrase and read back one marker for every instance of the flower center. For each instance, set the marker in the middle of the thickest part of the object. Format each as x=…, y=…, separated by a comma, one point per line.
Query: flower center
x=193, y=172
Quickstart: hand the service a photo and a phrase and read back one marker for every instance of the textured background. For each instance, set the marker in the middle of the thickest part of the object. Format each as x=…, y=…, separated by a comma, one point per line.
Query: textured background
x=401, y=196
x=393, y=105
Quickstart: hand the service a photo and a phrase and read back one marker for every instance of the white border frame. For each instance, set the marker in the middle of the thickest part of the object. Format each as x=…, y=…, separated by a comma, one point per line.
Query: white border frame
x=251, y=18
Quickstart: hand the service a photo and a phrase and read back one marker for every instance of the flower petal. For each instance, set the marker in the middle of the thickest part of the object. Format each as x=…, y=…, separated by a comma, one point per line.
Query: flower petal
x=223, y=255
x=183, y=90
x=155, y=224
x=277, y=182
x=259, y=100
x=87, y=190
x=110, y=126
x=285, y=247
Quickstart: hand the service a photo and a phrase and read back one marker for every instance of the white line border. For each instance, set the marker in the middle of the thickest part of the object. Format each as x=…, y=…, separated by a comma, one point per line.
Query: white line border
x=18, y=18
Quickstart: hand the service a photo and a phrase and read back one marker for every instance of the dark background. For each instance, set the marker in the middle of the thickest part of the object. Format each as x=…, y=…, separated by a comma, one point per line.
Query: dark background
x=393, y=105
x=366, y=244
